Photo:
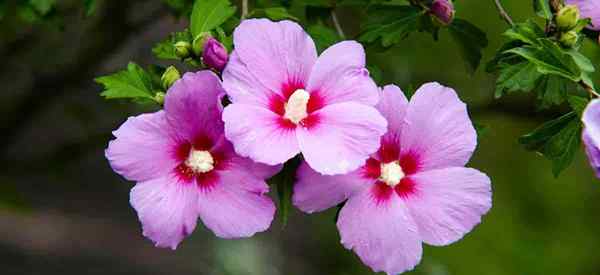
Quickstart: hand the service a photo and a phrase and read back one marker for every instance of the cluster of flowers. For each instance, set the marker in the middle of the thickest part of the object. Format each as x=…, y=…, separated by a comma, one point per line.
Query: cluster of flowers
x=399, y=165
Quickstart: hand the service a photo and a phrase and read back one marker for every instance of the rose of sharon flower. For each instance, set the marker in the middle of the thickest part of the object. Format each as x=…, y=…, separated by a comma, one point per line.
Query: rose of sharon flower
x=185, y=168
x=413, y=190
x=591, y=134
x=588, y=9
x=285, y=100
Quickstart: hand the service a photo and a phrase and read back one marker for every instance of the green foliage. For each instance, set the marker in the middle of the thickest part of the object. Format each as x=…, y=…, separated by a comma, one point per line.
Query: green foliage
x=133, y=83
x=542, y=9
x=519, y=77
x=90, y=7
x=389, y=24
x=43, y=7
x=279, y=13
x=209, y=14
x=558, y=140
x=284, y=182
x=471, y=41
x=323, y=36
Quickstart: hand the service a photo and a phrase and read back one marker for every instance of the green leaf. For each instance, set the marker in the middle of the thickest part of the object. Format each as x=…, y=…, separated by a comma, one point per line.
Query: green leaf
x=132, y=83
x=528, y=32
x=542, y=9
x=552, y=90
x=519, y=77
x=558, y=140
x=578, y=104
x=390, y=24
x=550, y=59
x=90, y=7
x=471, y=41
x=582, y=61
x=502, y=57
x=209, y=14
x=323, y=36
x=279, y=13
x=536, y=140
x=562, y=147
x=43, y=7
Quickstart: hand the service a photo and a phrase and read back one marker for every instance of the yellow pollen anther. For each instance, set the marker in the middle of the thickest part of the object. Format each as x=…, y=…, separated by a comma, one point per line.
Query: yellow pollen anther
x=391, y=173
x=295, y=108
x=200, y=161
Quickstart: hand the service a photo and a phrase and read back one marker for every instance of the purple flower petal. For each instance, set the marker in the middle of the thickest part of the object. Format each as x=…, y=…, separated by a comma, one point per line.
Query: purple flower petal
x=314, y=192
x=345, y=135
x=166, y=208
x=192, y=106
x=448, y=203
x=588, y=9
x=438, y=129
x=591, y=134
x=382, y=233
x=393, y=105
x=143, y=148
x=241, y=85
x=236, y=206
x=276, y=53
x=257, y=133
x=340, y=76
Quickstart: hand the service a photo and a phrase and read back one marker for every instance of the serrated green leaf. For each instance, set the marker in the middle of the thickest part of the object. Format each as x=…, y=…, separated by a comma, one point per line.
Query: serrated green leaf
x=561, y=148
x=323, y=36
x=542, y=9
x=558, y=140
x=279, y=13
x=582, y=61
x=550, y=59
x=471, y=41
x=209, y=14
x=552, y=90
x=528, y=32
x=133, y=83
x=502, y=58
x=43, y=7
x=389, y=24
x=519, y=77
x=578, y=104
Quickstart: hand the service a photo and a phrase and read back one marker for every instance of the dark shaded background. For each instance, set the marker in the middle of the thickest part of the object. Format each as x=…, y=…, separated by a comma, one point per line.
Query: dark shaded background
x=63, y=211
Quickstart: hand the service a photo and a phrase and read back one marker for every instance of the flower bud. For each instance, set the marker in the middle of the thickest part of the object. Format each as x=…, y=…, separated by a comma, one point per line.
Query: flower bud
x=567, y=17
x=569, y=39
x=199, y=42
x=183, y=49
x=159, y=97
x=214, y=54
x=442, y=11
x=169, y=77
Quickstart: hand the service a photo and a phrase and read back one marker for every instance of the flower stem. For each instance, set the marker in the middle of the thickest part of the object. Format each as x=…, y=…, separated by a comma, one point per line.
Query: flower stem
x=337, y=25
x=503, y=13
x=589, y=89
x=244, y=8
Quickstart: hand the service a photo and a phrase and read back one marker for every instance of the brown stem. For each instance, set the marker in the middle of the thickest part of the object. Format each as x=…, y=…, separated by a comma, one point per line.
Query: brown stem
x=503, y=13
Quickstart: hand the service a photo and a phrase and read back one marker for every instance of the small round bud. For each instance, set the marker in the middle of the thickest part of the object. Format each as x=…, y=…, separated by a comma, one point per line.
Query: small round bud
x=567, y=17
x=442, y=12
x=159, y=97
x=569, y=39
x=214, y=54
x=183, y=49
x=199, y=41
x=169, y=77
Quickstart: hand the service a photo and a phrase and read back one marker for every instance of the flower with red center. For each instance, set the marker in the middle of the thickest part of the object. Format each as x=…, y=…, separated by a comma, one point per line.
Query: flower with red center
x=287, y=101
x=414, y=190
x=185, y=168
x=588, y=9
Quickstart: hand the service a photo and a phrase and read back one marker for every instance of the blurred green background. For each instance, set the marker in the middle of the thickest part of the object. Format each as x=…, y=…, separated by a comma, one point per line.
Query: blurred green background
x=63, y=211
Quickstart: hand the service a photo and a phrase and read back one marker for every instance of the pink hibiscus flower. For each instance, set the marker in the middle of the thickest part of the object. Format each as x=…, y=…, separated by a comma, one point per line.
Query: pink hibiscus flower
x=413, y=190
x=591, y=134
x=185, y=169
x=285, y=100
